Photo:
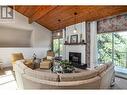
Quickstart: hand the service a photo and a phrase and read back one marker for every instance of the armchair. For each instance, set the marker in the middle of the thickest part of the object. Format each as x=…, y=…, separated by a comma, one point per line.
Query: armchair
x=47, y=62
x=19, y=56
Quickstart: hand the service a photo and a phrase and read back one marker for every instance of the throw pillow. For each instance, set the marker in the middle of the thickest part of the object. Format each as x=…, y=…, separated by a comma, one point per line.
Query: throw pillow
x=49, y=57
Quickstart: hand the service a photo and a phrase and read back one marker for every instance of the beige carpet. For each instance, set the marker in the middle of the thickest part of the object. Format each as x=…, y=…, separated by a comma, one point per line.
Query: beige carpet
x=120, y=83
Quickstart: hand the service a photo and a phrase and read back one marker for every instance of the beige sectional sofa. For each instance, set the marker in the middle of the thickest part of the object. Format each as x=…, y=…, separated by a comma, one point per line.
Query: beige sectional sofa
x=98, y=78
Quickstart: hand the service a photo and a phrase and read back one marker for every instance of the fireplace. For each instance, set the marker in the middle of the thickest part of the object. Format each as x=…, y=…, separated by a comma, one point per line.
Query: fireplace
x=75, y=58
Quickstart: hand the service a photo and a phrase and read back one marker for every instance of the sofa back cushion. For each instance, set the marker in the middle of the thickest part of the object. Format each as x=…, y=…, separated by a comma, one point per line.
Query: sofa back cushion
x=50, y=53
x=92, y=83
x=20, y=65
x=42, y=75
x=101, y=68
x=106, y=77
x=108, y=64
x=83, y=75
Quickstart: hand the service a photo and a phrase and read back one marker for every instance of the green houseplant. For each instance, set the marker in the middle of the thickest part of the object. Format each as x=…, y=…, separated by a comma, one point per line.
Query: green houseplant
x=66, y=66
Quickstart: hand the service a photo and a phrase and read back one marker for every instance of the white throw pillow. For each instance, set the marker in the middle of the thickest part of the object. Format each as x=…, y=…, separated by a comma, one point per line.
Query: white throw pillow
x=49, y=57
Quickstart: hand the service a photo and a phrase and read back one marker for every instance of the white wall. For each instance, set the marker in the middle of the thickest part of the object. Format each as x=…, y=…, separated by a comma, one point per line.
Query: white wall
x=19, y=22
x=75, y=48
x=40, y=38
x=11, y=37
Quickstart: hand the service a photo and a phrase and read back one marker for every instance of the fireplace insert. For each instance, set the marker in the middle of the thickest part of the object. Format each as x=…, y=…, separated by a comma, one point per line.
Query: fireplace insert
x=75, y=59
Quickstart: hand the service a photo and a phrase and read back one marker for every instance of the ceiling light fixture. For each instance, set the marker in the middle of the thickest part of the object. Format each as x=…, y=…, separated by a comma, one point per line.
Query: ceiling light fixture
x=58, y=34
x=75, y=29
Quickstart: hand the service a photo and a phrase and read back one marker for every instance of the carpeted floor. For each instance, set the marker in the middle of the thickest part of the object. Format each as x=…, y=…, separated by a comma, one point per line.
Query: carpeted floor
x=120, y=83
x=7, y=81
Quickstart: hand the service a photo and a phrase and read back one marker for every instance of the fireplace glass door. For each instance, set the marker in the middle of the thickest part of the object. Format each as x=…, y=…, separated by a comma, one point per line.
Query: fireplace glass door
x=75, y=58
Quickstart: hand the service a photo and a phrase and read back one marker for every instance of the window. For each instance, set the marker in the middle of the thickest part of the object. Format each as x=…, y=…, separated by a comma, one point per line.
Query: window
x=104, y=45
x=113, y=47
x=58, y=43
x=58, y=46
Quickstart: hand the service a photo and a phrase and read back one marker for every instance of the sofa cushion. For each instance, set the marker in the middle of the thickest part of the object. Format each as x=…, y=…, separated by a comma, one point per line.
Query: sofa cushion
x=109, y=64
x=42, y=75
x=101, y=68
x=28, y=61
x=21, y=65
x=92, y=83
x=86, y=74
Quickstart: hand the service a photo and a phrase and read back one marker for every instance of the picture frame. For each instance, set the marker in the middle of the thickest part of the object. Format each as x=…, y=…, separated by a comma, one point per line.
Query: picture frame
x=74, y=39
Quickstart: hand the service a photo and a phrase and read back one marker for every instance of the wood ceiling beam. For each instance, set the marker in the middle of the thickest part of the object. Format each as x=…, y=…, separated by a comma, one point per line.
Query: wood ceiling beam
x=42, y=11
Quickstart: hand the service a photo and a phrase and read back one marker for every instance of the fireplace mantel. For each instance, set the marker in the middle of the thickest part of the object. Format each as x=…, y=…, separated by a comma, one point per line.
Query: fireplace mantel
x=74, y=43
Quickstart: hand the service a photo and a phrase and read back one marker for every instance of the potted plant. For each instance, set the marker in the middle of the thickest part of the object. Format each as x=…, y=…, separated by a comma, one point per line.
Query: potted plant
x=66, y=66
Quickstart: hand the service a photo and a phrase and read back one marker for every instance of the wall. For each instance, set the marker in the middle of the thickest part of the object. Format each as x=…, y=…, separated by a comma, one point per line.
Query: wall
x=75, y=48
x=19, y=22
x=11, y=37
x=39, y=38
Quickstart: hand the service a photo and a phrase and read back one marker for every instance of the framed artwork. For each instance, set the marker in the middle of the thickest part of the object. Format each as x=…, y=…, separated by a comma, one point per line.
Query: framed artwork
x=74, y=39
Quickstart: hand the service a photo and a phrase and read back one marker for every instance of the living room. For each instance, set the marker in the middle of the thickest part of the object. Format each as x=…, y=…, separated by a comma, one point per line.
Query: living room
x=59, y=47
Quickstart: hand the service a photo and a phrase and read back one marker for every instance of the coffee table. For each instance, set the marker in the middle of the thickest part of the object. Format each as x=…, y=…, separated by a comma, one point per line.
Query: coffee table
x=36, y=63
x=59, y=69
x=56, y=68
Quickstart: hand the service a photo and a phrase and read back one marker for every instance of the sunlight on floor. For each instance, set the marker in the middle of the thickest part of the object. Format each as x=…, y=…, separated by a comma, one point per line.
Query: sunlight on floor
x=7, y=80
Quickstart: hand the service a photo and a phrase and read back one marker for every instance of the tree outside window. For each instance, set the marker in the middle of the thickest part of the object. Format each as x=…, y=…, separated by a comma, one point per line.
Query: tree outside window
x=58, y=46
x=112, y=47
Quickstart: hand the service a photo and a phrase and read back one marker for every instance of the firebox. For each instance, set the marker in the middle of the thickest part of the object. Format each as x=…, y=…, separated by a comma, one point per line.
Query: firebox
x=75, y=58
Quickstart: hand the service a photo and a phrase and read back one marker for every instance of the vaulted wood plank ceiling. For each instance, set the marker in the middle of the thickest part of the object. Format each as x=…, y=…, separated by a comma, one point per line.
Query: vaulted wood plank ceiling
x=48, y=15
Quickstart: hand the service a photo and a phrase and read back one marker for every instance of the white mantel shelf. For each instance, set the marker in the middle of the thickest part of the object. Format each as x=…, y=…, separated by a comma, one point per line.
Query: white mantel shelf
x=74, y=43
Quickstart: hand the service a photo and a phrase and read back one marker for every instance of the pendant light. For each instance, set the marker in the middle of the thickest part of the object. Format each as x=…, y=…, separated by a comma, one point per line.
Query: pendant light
x=75, y=29
x=58, y=34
